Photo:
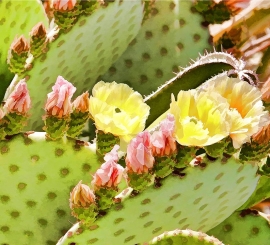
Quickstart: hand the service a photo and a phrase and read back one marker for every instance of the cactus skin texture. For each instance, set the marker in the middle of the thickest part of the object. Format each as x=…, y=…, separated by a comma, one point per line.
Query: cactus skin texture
x=247, y=227
x=94, y=42
x=185, y=237
x=16, y=18
x=168, y=39
x=35, y=186
x=200, y=200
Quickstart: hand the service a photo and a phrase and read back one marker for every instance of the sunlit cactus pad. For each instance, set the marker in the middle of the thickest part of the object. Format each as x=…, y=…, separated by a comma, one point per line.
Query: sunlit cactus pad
x=184, y=237
x=16, y=18
x=180, y=202
x=244, y=228
x=36, y=178
x=169, y=39
x=85, y=52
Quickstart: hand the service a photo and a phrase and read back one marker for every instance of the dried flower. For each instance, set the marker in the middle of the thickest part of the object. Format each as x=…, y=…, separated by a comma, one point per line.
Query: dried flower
x=200, y=118
x=64, y=5
x=163, y=141
x=38, y=31
x=139, y=157
x=81, y=103
x=81, y=196
x=247, y=114
x=118, y=110
x=266, y=90
x=19, y=100
x=59, y=100
x=235, y=6
x=20, y=45
x=263, y=136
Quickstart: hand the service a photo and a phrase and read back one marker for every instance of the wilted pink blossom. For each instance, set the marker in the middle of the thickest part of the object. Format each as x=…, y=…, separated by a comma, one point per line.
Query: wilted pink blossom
x=139, y=155
x=64, y=4
x=19, y=100
x=163, y=142
x=81, y=103
x=59, y=100
x=81, y=196
x=113, y=154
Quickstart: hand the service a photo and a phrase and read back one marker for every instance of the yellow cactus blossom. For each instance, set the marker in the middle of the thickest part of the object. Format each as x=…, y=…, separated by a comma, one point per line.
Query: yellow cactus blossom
x=246, y=107
x=118, y=109
x=200, y=118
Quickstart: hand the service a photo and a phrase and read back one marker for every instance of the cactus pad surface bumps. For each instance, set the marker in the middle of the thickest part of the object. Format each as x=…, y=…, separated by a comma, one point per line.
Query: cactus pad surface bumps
x=85, y=52
x=35, y=186
x=167, y=40
x=246, y=229
x=180, y=202
x=16, y=18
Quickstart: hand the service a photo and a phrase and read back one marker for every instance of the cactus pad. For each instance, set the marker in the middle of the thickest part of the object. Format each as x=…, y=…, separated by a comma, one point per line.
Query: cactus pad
x=162, y=45
x=35, y=186
x=244, y=228
x=16, y=18
x=185, y=237
x=199, y=201
x=85, y=52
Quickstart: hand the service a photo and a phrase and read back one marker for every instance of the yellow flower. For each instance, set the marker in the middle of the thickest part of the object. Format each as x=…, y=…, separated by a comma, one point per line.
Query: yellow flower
x=246, y=108
x=200, y=118
x=117, y=109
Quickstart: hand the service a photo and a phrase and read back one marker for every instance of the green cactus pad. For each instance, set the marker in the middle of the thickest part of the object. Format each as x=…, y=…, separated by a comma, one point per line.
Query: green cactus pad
x=261, y=193
x=36, y=178
x=170, y=38
x=201, y=200
x=241, y=229
x=84, y=53
x=16, y=18
x=184, y=237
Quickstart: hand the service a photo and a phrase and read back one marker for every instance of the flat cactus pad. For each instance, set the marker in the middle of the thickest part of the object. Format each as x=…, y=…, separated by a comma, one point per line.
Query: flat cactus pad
x=201, y=200
x=35, y=186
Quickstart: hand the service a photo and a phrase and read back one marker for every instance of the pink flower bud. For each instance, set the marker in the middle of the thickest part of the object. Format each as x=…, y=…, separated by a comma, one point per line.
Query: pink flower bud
x=110, y=173
x=81, y=103
x=139, y=155
x=38, y=31
x=81, y=196
x=163, y=142
x=64, y=5
x=20, y=45
x=59, y=100
x=2, y=114
x=19, y=100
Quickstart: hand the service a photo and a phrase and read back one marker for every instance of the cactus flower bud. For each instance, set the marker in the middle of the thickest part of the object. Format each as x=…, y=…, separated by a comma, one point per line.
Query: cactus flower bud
x=262, y=136
x=110, y=173
x=64, y=5
x=79, y=115
x=59, y=100
x=38, y=39
x=81, y=103
x=81, y=196
x=58, y=109
x=163, y=141
x=20, y=45
x=83, y=205
x=38, y=31
x=107, y=178
x=19, y=100
x=18, y=55
x=139, y=155
x=139, y=162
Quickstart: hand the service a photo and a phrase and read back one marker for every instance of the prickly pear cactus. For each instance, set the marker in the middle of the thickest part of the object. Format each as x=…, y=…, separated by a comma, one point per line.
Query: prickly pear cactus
x=36, y=185
x=17, y=18
x=245, y=227
x=200, y=200
x=94, y=42
x=187, y=237
x=168, y=40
